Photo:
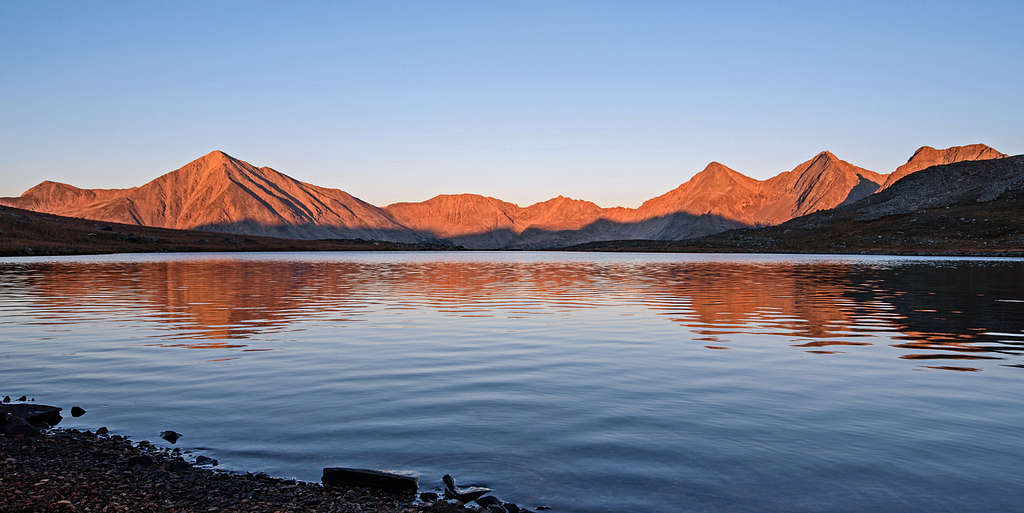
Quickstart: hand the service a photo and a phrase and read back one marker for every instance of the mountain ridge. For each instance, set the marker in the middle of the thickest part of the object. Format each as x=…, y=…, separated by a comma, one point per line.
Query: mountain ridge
x=217, y=192
x=965, y=207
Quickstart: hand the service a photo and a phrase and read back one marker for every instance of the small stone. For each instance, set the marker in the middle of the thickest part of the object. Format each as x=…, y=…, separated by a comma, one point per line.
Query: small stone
x=23, y=399
x=7, y=398
x=102, y=430
x=511, y=508
x=77, y=411
x=488, y=500
x=430, y=497
x=12, y=461
x=542, y=508
x=170, y=436
x=205, y=460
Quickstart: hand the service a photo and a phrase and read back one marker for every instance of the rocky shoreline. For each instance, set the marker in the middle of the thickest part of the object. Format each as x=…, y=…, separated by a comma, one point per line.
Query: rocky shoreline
x=47, y=469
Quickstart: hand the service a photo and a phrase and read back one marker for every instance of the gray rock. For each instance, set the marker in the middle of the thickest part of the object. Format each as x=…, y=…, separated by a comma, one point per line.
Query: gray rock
x=38, y=415
x=340, y=476
x=205, y=460
x=488, y=500
x=17, y=426
x=463, y=494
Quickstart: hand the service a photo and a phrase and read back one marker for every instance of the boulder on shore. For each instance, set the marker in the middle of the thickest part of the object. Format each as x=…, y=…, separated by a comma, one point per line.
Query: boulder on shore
x=340, y=476
x=38, y=415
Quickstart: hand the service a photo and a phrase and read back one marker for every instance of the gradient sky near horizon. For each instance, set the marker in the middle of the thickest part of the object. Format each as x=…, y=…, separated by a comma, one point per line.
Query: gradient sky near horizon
x=614, y=102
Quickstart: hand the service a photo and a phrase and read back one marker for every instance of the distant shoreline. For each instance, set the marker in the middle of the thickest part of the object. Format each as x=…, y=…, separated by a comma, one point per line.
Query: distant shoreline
x=29, y=233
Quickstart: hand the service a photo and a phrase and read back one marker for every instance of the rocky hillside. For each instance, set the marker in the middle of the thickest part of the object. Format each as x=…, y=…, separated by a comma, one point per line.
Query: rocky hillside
x=926, y=157
x=219, y=193
x=714, y=200
x=974, y=207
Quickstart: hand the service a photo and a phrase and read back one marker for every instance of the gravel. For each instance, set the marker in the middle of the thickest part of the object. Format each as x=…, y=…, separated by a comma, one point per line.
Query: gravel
x=69, y=470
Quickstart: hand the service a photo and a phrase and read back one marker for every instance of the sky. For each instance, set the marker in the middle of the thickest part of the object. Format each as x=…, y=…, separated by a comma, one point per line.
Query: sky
x=614, y=102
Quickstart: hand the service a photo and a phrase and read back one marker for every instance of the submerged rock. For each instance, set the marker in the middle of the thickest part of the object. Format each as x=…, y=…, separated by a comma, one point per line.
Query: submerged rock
x=340, y=476
x=205, y=460
x=77, y=411
x=23, y=398
x=170, y=436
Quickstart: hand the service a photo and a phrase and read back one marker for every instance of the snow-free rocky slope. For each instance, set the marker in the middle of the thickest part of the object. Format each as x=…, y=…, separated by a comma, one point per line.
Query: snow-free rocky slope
x=220, y=193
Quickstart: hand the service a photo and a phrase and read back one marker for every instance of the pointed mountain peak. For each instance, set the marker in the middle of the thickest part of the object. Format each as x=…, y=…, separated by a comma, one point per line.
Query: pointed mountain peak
x=215, y=156
x=824, y=160
x=716, y=176
x=826, y=156
x=715, y=168
x=214, y=162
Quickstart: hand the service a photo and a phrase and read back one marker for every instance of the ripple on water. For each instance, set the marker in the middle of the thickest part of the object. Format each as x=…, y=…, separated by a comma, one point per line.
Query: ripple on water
x=587, y=382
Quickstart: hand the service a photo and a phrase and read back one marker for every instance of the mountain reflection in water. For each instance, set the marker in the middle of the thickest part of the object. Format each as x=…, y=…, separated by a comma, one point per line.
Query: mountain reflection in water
x=932, y=310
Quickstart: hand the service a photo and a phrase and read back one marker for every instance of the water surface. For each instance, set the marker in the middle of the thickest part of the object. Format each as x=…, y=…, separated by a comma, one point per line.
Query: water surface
x=585, y=382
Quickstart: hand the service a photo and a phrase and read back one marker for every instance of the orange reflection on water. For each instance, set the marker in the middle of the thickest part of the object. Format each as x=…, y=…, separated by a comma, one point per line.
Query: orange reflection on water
x=937, y=313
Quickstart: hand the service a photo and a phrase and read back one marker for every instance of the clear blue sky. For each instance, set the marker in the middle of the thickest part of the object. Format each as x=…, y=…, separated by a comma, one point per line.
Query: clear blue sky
x=613, y=102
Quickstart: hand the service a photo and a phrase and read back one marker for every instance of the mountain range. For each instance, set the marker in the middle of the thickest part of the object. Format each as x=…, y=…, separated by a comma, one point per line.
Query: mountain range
x=219, y=193
x=971, y=207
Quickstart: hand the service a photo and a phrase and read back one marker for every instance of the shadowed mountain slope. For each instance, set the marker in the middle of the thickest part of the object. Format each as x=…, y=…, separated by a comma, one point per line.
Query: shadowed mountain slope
x=25, y=232
x=965, y=207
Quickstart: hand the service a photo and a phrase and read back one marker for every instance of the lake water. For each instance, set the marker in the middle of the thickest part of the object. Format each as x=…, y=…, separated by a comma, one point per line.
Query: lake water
x=583, y=382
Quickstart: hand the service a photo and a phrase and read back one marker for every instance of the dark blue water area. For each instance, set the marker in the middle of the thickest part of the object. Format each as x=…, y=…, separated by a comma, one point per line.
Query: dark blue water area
x=584, y=382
